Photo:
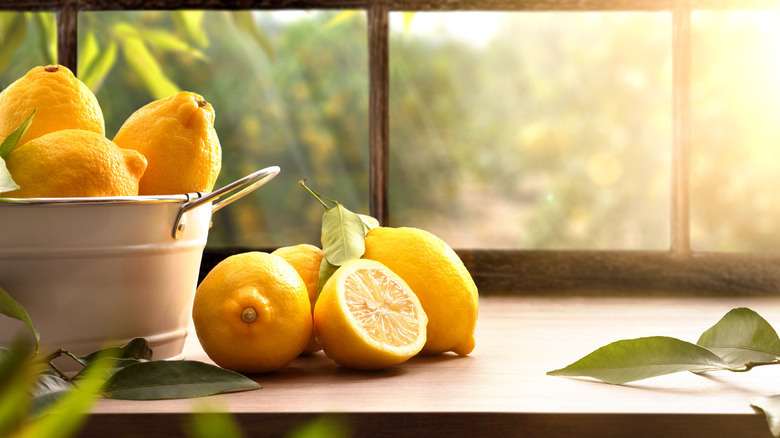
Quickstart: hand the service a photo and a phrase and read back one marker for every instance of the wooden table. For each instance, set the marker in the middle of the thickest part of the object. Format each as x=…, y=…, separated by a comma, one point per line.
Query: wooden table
x=501, y=389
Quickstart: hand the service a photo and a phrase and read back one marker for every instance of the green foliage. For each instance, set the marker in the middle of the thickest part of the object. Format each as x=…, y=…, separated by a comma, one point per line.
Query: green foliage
x=739, y=342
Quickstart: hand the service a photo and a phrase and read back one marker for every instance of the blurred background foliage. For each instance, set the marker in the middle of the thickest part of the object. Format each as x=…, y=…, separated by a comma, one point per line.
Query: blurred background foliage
x=507, y=130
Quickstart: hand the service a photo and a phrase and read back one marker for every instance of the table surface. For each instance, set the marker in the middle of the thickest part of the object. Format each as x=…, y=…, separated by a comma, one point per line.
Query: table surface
x=501, y=389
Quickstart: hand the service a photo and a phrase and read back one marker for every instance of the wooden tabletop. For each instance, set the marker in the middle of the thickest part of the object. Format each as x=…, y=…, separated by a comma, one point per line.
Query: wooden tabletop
x=501, y=389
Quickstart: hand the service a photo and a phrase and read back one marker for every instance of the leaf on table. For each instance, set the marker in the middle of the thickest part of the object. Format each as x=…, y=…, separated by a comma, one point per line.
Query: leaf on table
x=66, y=415
x=742, y=336
x=343, y=235
x=159, y=380
x=47, y=390
x=635, y=359
x=771, y=407
x=136, y=348
x=11, y=307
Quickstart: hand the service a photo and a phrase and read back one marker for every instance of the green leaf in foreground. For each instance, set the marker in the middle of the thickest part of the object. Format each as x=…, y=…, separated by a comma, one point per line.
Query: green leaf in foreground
x=742, y=336
x=9, y=143
x=635, y=359
x=158, y=380
x=771, y=408
x=11, y=307
x=209, y=422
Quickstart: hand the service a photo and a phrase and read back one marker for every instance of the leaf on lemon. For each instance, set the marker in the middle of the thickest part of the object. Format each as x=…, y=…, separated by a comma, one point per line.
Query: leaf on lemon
x=635, y=359
x=369, y=222
x=11, y=307
x=10, y=142
x=771, y=407
x=326, y=271
x=159, y=380
x=742, y=336
x=343, y=235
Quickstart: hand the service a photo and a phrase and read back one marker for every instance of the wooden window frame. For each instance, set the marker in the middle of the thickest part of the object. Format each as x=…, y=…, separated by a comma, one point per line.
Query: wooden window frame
x=676, y=271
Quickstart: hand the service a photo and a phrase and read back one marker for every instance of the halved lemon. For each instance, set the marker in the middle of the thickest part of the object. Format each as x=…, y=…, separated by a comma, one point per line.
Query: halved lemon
x=368, y=318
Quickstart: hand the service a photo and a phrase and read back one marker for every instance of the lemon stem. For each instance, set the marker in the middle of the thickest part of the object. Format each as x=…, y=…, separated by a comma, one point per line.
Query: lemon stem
x=202, y=103
x=51, y=68
x=249, y=315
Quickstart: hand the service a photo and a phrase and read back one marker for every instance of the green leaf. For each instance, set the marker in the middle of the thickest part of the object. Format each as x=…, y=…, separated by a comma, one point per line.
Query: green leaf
x=7, y=183
x=16, y=374
x=190, y=23
x=137, y=348
x=642, y=358
x=740, y=337
x=96, y=71
x=9, y=143
x=341, y=17
x=326, y=426
x=165, y=40
x=11, y=307
x=46, y=25
x=343, y=235
x=771, y=407
x=69, y=412
x=47, y=390
x=207, y=422
x=88, y=51
x=246, y=23
x=369, y=222
x=14, y=33
x=173, y=379
x=146, y=67
x=326, y=271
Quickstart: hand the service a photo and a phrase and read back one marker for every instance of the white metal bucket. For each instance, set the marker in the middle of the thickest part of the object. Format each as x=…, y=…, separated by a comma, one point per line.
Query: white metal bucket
x=93, y=272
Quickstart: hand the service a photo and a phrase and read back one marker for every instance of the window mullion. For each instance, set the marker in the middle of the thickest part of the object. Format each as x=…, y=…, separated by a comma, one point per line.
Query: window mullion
x=681, y=142
x=67, y=34
x=378, y=114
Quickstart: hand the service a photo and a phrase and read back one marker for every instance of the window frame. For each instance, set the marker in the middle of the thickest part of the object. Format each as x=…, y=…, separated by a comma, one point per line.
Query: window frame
x=678, y=270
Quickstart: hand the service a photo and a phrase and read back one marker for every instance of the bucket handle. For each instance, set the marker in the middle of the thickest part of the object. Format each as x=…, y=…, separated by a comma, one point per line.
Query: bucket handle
x=242, y=187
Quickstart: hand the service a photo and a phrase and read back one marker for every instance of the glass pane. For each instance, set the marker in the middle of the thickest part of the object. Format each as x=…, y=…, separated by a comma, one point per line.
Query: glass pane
x=735, y=171
x=532, y=130
x=26, y=40
x=289, y=88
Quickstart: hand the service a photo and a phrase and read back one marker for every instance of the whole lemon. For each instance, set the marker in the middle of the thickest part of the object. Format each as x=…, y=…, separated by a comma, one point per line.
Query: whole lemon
x=438, y=278
x=252, y=313
x=368, y=318
x=177, y=137
x=306, y=259
x=74, y=163
x=61, y=100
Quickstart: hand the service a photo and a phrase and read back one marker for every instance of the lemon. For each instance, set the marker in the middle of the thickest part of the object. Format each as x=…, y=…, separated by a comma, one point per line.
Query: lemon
x=367, y=318
x=74, y=163
x=61, y=100
x=177, y=136
x=306, y=260
x=252, y=313
x=438, y=278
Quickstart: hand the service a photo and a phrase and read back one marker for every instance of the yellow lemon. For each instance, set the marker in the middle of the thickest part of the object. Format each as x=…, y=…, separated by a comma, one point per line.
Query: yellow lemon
x=306, y=259
x=367, y=318
x=177, y=137
x=438, y=278
x=61, y=100
x=252, y=313
x=74, y=163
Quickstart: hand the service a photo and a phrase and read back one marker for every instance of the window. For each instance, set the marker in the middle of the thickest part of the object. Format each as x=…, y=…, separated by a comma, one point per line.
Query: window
x=701, y=217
